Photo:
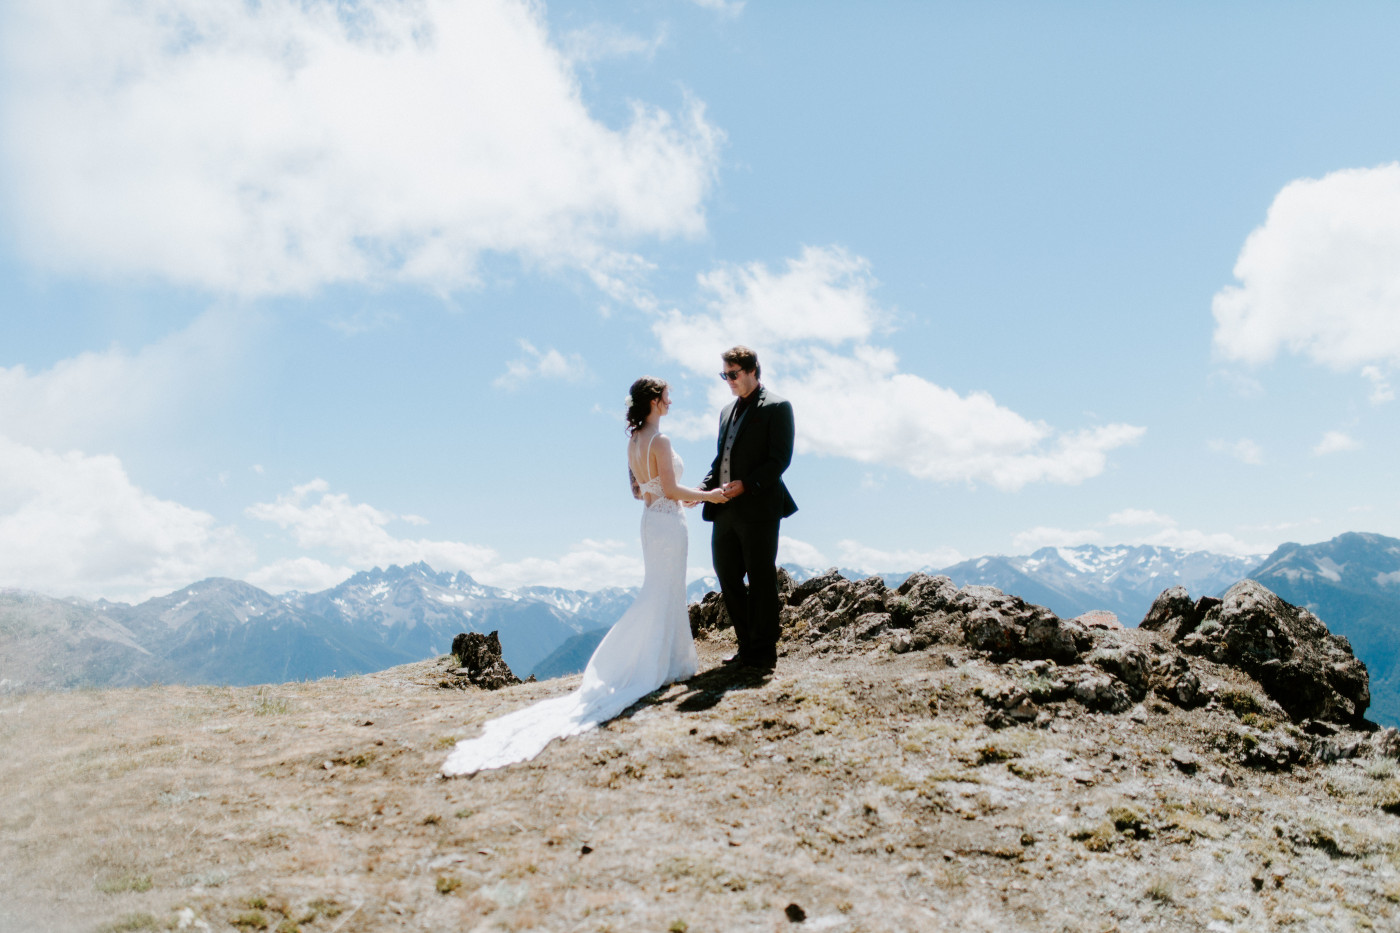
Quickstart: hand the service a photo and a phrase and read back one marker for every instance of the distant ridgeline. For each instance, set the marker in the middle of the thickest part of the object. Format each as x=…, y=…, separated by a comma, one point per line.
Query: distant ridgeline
x=227, y=632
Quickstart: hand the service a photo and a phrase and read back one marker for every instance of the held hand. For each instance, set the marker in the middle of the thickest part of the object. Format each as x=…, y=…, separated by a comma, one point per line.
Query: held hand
x=734, y=488
x=690, y=503
x=717, y=496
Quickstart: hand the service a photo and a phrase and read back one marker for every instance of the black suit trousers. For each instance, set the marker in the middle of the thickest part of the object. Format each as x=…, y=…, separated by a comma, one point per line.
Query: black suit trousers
x=749, y=549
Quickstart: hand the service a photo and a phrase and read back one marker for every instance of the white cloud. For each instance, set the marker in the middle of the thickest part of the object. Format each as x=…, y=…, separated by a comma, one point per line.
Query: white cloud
x=599, y=41
x=1138, y=517
x=1158, y=530
x=93, y=398
x=861, y=557
x=812, y=324
x=1024, y=542
x=549, y=364
x=299, y=573
x=1244, y=450
x=358, y=536
x=1335, y=442
x=72, y=524
x=793, y=551
x=279, y=146
x=1321, y=276
x=725, y=7
x=1381, y=390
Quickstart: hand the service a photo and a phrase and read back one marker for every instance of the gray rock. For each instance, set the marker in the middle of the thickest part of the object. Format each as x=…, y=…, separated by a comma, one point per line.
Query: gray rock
x=480, y=659
x=1127, y=664
x=1098, y=691
x=708, y=614
x=799, y=593
x=1308, y=671
x=1185, y=761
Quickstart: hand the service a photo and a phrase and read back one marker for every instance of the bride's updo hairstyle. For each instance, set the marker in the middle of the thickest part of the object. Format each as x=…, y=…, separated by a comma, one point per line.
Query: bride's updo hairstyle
x=639, y=400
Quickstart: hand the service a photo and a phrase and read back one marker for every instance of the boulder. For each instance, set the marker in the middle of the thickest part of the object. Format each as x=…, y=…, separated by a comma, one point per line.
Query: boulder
x=1174, y=613
x=1127, y=664
x=708, y=614
x=799, y=593
x=1173, y=679
x=1051, y=639
x=1099, y=619
x=481, y=662
x=1308, y=671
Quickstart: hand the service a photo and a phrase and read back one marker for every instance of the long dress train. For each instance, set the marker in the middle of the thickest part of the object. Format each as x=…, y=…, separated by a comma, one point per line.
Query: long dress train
x=649, y=647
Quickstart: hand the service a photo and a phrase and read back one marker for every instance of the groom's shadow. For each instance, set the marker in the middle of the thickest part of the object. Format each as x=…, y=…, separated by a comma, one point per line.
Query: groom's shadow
x=706, y=689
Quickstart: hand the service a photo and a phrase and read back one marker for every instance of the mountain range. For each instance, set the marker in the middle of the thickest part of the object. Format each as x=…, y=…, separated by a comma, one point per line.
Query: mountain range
x=226, y=631
x=230, y=632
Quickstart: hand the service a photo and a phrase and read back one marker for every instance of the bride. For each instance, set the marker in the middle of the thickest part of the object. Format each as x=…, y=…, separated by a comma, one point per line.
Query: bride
x=650, y=646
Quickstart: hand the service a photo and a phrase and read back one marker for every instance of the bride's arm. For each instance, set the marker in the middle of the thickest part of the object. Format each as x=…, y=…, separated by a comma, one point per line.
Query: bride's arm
x=666, y=471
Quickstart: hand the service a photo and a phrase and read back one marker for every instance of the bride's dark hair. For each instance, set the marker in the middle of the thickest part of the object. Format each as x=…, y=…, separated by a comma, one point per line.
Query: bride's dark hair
x=639, y=399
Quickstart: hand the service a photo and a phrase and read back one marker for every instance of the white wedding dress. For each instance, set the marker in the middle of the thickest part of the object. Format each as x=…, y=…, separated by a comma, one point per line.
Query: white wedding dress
x=649, y=647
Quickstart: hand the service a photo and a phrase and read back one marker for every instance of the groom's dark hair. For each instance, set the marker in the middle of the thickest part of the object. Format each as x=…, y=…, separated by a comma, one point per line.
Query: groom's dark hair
x=744, y=358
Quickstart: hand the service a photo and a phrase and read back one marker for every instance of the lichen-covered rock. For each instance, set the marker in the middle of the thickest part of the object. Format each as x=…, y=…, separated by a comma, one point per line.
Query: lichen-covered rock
x=1099, y=619
x=708, y=614
x=1307, y=670
x=1169, y=610
x=993, y=633
x=1052, y=639
x=1173, y=679
x=1098, y=691
x=1174, y=614
x=481, y=662
x=799, y=593
x=1127, y=664
x=931, y=592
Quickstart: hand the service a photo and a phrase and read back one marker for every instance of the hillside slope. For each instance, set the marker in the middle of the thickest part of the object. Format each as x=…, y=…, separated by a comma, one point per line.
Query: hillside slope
x=898, y=772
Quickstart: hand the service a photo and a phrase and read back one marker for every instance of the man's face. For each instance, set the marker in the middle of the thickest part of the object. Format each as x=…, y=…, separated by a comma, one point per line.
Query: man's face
x=741, y=381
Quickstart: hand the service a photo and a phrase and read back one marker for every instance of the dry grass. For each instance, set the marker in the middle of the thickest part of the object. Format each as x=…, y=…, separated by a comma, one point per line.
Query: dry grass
x=837, y=786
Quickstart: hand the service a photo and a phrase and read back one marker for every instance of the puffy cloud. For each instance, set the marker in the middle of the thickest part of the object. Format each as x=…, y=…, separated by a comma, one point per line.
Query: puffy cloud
x=1138, y=517
x=813, y=323
x=1024, y=542
x=598, y=41
x=1321, y=276
x=278, y=146
x=550, y=364
x=357, y=534
x=793, y=551
x=1381, y=390
x=1335, y=442
x=724, y=7
x=1157, y=530
x=72, y=524
x=1244, y=450
x=862, y=557
x=299, y=573
x=95, y=397
x=357, y=531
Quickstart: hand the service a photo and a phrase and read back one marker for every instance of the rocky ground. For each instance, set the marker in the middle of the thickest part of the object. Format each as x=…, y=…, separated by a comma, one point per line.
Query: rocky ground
x=922, y=759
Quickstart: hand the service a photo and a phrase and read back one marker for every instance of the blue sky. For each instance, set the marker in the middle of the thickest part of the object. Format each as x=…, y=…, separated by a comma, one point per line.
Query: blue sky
x=291, y=290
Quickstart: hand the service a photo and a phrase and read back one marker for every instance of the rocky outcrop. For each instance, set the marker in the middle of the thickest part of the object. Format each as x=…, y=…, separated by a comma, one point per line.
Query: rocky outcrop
x=1307, y=670
x=480, y=662
x=1181, y=654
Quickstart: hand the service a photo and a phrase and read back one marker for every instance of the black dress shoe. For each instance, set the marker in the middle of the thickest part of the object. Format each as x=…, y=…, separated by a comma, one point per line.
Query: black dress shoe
x=765, y=666
x=732, y=660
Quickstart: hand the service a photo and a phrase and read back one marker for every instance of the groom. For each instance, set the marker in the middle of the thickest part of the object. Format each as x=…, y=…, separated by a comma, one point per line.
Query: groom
x=755, y=447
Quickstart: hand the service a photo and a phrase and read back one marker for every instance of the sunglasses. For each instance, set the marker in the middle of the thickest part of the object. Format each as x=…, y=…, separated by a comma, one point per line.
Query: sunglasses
x=732, y=375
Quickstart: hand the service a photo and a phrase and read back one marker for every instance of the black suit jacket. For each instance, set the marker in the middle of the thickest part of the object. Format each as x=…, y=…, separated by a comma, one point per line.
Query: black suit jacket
x=762, y=451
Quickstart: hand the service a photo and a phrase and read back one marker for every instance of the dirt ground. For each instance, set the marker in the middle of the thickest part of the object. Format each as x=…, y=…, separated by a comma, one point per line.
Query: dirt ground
x=849, y=792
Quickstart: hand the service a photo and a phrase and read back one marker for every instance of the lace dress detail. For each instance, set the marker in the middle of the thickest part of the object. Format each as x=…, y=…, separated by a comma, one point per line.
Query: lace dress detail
x=648, y=648
x=652, y=487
